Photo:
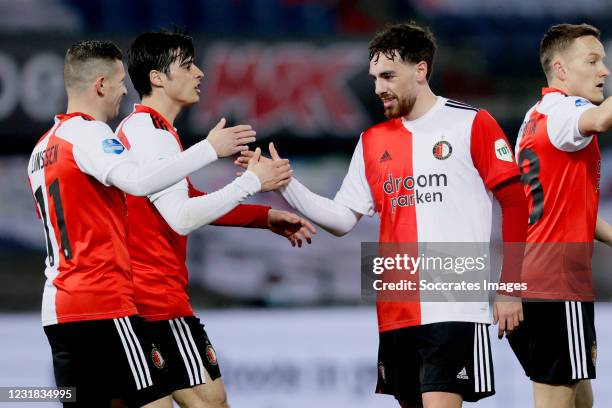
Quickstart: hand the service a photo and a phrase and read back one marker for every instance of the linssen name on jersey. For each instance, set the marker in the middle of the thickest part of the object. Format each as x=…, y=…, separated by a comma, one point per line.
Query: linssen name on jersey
x=410, y=183
x=44, y=158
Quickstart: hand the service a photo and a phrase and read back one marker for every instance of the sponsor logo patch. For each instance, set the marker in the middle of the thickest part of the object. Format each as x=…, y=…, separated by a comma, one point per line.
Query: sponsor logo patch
x=594, y=352
x=502, y=151
x=442, y=150
x=581, y=102
x=112, y=146
x=211, y=355
x=157, y=358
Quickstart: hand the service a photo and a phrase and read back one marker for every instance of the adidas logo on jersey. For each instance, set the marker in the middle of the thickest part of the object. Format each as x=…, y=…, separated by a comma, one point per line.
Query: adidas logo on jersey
x=462, y=375
x=385, y=157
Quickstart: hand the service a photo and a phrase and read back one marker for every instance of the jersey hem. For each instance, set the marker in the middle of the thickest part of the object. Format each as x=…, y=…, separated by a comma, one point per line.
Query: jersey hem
x=166, y=316
x=557, y=296
x=91, y=316
x=416, y=322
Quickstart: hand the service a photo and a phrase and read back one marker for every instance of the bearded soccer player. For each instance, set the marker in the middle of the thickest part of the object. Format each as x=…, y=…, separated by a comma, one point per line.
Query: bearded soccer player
x=78, y=172
x=430, y=354
x=162, y=69
x=559, y=159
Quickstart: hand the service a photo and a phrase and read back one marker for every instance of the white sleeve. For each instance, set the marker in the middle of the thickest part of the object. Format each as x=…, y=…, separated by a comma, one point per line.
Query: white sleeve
x=355, y=191
x=330, y=215
x=562, y=124
x=101, y=155
x=340, y=215
x=98, y=151
x=150, y=145
x=185, y=214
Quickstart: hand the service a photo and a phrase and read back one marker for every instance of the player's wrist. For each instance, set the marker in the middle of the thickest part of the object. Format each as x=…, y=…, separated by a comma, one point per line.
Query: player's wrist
x=249, y=182
x=208, y=150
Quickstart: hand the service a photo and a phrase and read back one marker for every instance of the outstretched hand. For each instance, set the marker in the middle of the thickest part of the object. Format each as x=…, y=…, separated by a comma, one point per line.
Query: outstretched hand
x=231, y=140
x=296, y=229
x=272, y=174
x=246, y=155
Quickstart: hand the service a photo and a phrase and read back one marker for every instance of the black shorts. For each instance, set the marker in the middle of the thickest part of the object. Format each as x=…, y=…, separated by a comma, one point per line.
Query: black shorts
x=107, y=359
x=188, y=349
x=448, y=356
x=556, y=342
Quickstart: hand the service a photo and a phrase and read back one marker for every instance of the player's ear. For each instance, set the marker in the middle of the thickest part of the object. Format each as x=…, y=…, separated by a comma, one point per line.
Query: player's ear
x=558, y=69
x=99, y=86
x=421, y=71
x=155, y=77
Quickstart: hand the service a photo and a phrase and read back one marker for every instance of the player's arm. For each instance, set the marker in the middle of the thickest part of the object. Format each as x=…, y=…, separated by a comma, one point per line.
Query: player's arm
x=338, y=216
x=603, y=231
x=597, y=119
x=185, y=214
x=118, y=167
x=296, y=229
x=493, y=158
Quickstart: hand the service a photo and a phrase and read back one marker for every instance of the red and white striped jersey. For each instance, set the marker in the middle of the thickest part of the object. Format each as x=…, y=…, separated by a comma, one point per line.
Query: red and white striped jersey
x=560, y=170
x=157, y=251
x=88, y=265
x=429, y=180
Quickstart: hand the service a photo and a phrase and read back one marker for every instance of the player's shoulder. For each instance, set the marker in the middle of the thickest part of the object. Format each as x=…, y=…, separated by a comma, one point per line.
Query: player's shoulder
x=559, y=102
x=81, y=130
x=452, y=105
x=461, y=113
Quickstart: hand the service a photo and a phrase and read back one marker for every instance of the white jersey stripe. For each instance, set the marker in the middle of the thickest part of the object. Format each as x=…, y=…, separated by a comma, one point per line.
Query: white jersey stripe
x=195, y=351
x=476, y=368
x=140, y=352
x=128, y=354
x=179, y=344
x=189, y=351
x=570, y=341
x=585, y=373
x=576, y=340
x=133, y=352
x=485, y=336
x=480, y=359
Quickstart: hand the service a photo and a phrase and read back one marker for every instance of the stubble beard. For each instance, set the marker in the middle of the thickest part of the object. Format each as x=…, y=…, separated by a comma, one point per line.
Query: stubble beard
x=403, y=108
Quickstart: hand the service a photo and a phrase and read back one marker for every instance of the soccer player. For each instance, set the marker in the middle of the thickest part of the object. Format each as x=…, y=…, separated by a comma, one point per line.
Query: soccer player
x=559, y=159
x=431, y=354
x=162, y=69
x=77, y=172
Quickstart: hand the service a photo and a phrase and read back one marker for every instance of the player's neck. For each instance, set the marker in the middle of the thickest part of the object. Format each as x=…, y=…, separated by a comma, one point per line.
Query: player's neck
x=80, y=105
x=424, y=102
x=560, y=86
x=168, y=109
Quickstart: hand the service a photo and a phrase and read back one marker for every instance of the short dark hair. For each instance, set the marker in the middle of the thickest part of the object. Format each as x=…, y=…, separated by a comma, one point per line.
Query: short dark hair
x=82, y=61
x=411, y=41
x=559, y=38
x=156, y=51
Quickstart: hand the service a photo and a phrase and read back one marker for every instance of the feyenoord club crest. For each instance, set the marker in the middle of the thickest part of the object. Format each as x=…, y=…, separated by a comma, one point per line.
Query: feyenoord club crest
x=157, y=358
x=442, y=150
x=211, y=355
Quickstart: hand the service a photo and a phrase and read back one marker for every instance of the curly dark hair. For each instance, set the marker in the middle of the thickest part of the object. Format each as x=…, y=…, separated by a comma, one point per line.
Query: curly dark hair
x=559, y=37
x=411, y=41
